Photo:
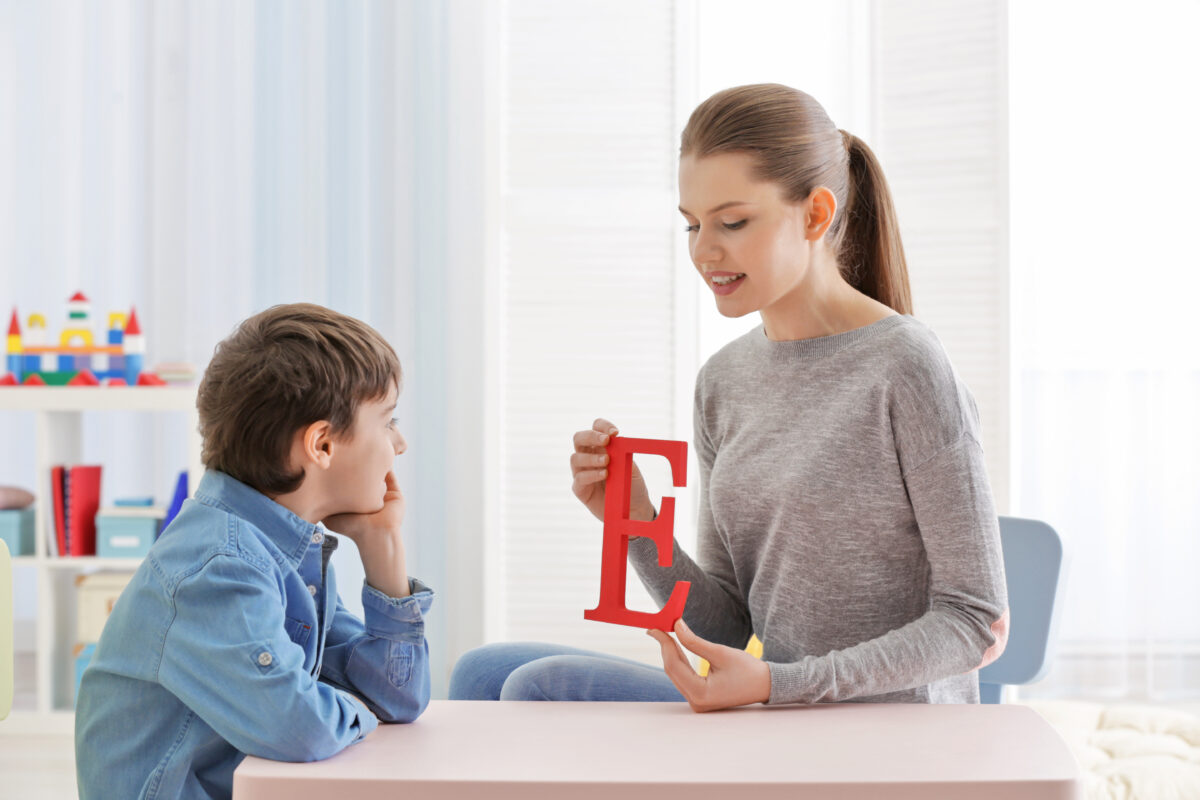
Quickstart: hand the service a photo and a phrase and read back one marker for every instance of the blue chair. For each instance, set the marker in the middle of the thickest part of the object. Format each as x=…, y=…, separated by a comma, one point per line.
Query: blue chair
x=1035, y=572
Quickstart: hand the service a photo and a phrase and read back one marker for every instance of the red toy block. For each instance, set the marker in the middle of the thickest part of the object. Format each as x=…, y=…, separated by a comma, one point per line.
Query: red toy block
x=619, y=528
x=115, y=382
x=34, y=380
x=150, y=379
x=85, y=377
x=8, y=380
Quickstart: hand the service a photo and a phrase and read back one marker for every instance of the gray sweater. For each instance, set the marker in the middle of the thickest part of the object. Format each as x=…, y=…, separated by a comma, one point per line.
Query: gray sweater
x=845, y=517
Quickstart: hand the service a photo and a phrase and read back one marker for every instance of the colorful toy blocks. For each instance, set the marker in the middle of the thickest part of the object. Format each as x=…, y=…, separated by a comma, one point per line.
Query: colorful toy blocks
x=76, y=360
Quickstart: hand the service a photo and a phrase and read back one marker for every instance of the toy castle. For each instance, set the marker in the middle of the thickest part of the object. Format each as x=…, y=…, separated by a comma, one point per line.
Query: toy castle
x=76, y=360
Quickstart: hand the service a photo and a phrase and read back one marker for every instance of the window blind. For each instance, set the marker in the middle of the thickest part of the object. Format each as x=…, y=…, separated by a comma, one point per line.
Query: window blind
x=940, y=130
x=587, y=309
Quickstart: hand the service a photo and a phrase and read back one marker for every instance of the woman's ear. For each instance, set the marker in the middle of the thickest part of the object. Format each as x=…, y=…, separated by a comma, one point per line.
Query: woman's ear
x=822, y=205
x=316, y=444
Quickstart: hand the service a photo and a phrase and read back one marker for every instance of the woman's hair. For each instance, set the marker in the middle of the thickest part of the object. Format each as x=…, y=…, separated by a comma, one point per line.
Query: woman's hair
x=798, y=147
x=278, y=372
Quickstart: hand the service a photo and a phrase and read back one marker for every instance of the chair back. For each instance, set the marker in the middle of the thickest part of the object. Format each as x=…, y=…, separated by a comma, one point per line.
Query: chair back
x=1035, y=573
x=6, y=631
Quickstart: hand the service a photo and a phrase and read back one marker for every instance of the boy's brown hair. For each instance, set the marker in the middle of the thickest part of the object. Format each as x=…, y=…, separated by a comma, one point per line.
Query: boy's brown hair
x=282, y=370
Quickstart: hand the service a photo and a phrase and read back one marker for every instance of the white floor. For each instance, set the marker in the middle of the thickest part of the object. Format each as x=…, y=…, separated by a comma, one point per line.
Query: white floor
x=39, y=767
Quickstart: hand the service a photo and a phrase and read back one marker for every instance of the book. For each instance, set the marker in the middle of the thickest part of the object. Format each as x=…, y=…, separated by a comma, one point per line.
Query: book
x=76, y=491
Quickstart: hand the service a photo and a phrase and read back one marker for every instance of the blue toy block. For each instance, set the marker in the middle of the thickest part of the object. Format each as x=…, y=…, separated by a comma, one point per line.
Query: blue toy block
x=115, y=335
x=181, y=493
x=16, y=530
x=133, y=368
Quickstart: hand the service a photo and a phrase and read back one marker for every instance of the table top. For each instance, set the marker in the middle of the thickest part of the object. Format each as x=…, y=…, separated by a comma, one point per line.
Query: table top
x=529, y=750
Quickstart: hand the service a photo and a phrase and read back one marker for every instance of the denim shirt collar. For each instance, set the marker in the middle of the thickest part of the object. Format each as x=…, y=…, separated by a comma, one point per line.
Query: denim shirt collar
x=287, y=531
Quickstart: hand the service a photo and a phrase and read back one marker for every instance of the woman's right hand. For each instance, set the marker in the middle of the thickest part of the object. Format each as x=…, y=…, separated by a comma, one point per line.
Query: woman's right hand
x=589, y=467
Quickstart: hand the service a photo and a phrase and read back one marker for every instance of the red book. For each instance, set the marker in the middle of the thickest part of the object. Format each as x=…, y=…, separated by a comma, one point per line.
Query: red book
x=60, y=518
x=83, y=501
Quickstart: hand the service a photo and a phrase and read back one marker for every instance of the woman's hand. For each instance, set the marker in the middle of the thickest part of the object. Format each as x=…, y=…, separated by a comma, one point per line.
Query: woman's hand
x=589, y=467
x=735, y=678
x=378, y=539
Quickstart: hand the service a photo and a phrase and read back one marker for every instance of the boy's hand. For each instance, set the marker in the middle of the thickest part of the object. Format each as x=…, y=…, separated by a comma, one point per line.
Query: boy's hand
x=735, y=678
x=377, y=537
x=589, y=468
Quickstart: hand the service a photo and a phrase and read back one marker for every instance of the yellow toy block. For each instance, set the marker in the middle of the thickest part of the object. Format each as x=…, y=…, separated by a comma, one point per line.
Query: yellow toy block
x=753, y=647
x=70, y=333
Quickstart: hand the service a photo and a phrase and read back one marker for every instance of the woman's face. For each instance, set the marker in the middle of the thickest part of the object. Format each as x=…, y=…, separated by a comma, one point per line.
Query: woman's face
x=747, y=241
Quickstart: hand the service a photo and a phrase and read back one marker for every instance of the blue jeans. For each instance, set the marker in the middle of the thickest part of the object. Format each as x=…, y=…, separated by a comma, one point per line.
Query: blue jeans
x=533, y=671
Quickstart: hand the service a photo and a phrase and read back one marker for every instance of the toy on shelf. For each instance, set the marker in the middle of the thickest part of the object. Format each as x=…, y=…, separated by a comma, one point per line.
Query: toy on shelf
x=619, y=529
x=33, y=360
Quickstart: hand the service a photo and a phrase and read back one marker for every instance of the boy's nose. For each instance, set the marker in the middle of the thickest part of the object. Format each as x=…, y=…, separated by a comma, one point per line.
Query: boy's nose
x=401, y=445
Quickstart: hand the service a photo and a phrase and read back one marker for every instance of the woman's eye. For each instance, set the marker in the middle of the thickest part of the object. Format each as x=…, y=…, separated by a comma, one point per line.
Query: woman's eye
x=733, y=226
x=691, y=228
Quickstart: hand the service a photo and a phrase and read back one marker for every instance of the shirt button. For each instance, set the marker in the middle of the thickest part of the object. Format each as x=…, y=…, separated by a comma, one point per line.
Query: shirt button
x=265, y=659
x=312, y=590
x=317, y=537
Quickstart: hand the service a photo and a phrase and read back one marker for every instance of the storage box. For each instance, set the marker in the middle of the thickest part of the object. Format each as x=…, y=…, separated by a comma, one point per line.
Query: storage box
x=97, y=594
x=16, y=529
x=127, y=532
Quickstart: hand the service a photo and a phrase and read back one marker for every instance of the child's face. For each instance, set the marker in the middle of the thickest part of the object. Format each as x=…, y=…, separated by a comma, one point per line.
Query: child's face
x=362, y=459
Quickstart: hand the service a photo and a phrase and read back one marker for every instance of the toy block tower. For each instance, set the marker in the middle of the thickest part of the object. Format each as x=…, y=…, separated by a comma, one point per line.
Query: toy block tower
x=13, y=360
x=135, y=348
x=76, y=336
x=36, y=358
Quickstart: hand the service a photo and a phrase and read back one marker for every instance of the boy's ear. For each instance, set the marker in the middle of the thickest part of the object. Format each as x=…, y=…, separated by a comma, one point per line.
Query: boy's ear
x=316, y=443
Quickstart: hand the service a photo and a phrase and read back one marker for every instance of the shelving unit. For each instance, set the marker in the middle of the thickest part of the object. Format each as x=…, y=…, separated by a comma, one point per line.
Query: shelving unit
x=58, y=423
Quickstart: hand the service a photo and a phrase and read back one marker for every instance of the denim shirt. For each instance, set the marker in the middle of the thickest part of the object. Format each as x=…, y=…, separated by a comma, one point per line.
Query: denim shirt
x=231, y=639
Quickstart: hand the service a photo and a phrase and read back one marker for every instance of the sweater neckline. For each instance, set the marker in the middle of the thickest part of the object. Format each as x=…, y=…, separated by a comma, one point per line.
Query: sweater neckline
x=825, y=345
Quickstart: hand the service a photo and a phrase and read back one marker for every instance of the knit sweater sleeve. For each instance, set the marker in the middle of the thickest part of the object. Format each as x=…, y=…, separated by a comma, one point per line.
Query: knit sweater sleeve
x=716, y=607
x=953, y=508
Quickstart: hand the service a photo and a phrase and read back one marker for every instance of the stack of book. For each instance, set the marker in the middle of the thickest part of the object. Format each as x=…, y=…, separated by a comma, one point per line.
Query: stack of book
x=76, y=495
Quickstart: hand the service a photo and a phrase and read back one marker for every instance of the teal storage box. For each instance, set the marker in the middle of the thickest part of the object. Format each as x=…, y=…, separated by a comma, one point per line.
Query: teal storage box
x=16, y=529
x=126, y=532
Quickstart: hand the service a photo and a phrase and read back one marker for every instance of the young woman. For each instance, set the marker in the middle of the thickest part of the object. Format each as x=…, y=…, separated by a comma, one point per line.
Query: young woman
x=845, y=513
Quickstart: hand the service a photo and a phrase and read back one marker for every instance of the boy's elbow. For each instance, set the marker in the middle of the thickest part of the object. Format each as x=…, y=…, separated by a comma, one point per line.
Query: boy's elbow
x=407, y=704
x=407, y=711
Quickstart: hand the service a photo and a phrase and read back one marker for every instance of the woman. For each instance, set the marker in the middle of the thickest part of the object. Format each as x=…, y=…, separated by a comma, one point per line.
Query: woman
x=845, y=513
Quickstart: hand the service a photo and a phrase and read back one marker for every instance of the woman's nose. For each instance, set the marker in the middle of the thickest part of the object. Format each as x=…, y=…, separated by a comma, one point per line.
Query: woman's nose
x=704, y=249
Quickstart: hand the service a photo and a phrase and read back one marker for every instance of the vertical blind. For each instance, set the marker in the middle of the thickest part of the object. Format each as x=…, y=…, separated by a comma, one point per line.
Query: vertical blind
x=939, y=129
x=587, y=308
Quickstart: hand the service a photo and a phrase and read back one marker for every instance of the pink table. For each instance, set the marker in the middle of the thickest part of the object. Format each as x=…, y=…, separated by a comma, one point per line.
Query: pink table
x=624, y=751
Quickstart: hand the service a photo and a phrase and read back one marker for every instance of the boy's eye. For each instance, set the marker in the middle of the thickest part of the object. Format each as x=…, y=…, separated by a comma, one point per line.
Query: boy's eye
x=393, y=422
x=733, y=226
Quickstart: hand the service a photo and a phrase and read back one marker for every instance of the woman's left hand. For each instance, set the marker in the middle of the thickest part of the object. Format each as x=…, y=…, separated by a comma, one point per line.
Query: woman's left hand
x=735, y=678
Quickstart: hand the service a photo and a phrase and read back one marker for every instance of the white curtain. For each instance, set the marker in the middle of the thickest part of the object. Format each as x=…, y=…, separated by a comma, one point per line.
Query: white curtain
x=1106, y=276
x=202, y=161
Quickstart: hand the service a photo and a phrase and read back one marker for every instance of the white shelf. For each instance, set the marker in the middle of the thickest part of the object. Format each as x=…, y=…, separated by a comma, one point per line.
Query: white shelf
x=58, y=420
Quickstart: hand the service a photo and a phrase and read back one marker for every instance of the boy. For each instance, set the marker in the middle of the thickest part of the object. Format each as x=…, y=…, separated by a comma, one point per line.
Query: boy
x=231, y=637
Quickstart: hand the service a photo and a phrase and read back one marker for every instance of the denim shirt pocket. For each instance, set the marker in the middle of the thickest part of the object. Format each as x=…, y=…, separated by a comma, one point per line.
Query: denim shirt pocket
x=297, y=630
x=400, y=664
